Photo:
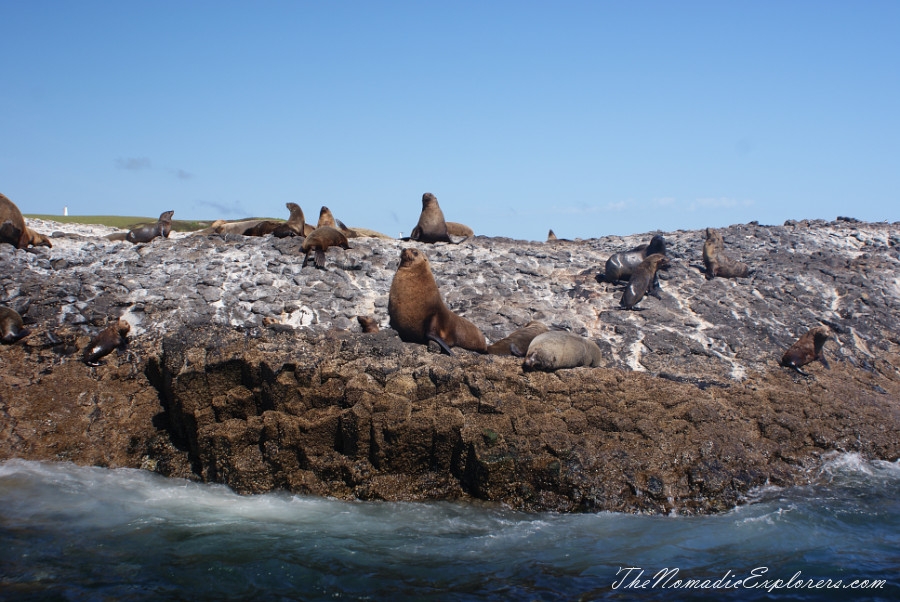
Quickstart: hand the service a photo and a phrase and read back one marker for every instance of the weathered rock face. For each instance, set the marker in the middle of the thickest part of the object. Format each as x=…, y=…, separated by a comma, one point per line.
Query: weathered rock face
x=689, y=413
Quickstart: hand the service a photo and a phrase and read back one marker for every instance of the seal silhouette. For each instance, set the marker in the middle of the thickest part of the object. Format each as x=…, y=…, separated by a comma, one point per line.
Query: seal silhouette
x=319, y=241
x=517, y=342
x=12, y=328
x=418, y=313
x=147, y=233
x=717, y=262
x=807, y=349
x=559, y=349
x=621, y=265
x=13, y=229
x=110, y=338
x=642, y=280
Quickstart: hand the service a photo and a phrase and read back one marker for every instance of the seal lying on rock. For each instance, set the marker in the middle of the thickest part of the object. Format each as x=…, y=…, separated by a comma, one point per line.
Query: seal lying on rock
x=621, y=265
x=292, y=227
x=807, y=349
x=13, y=229
x=559, y=349
x=11, y=326
x=457, y=229
x=643, y=280
x=717, y=262
x=517, y=342
x=418, y=313
x=147, y=233
x=111, y=337
x=319, y=241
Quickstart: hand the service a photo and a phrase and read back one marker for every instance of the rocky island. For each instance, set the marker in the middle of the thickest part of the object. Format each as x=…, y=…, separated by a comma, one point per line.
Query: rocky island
x=246, y=369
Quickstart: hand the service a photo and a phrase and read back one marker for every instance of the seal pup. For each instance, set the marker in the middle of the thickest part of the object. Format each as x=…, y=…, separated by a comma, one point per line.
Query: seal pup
x=517, y=342
x=368, y=323
x=431, y=227
x=717, y=262
x=292, y=227
x=621, y=265
x=147, y=233
x=12, y=328
x=111, y=337
x=558, y=349
x=642, y=280
x=14, y=230
x=418, y=313
x=807, y=349
x=319, y=241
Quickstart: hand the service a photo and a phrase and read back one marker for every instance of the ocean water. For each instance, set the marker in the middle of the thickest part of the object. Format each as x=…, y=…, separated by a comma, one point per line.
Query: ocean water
x=75, y=533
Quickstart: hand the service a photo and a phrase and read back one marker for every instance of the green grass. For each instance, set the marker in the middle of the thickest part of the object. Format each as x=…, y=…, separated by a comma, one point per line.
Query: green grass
x=125, y=222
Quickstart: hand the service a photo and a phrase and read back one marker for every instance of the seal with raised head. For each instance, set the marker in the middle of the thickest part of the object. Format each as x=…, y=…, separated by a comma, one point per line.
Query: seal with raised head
x=642, y=280
x=717, y=262
x=13, y=229
x=319, y=241
x=431, y=226
x=12, y=328
x=292, y=227
x=112, y=337
x=551, y=236
x=559, y=349
x=418, y=313
x=517, y=342
x=621, y=265
x=807, y=349
x=368, y=323
x=147, y=233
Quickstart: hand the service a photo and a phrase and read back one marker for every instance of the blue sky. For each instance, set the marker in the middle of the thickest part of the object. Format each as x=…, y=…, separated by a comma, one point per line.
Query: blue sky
x=590, y=118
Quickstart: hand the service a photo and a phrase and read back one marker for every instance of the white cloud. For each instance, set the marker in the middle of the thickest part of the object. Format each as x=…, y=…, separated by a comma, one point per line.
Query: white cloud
x=719, y=203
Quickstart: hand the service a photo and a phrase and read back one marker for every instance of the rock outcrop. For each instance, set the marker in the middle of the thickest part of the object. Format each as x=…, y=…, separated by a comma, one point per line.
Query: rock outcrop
x=245, y=369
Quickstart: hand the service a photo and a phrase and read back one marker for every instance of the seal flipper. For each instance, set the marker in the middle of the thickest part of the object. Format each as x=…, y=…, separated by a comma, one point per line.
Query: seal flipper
x=824, y=362
x=320, y=259
x=440, y=342
x=514, y=349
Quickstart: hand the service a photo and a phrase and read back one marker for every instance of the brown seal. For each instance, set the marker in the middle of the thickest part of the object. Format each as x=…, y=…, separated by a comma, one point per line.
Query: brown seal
x=418, y=313
x=621, y=265
x=807, y=349
x=457, y=229
x=551, y=236
x=517, y=342
x=326, y=218
x=294, y=226
x=147, y=233
x=14, y=230
x=558, y=349
x=12, y=328
x=368, y=323
x=319, y=241
x=431, y=227
x=111, y=337
x=642, y=280
x=717, y=262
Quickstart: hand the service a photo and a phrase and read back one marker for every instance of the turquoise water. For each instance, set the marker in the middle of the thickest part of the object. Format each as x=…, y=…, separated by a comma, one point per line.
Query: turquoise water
x=74, y=533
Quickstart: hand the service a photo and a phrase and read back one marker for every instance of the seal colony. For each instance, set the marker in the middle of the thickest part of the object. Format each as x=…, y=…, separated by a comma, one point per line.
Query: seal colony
x=416, y=309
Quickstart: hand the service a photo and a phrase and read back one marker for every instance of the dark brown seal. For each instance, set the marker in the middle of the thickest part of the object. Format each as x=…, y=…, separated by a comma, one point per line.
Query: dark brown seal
x=559, y=349
x=147, y=233
x=368, y=323
x=717, y=262
x=319, y=241
x=807, y=349
x=431, y=227
x=551, y=236
x=642, y=280
x=418, y=313
x=292, y=227
x=326, y=218
x=517, y=342
x=13, y=229
x=112, y=337
x=12, y=328
x=621, y=265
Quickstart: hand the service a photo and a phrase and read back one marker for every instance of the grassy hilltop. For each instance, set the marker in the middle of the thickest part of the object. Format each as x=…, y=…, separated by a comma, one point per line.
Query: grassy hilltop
x=126, y=222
